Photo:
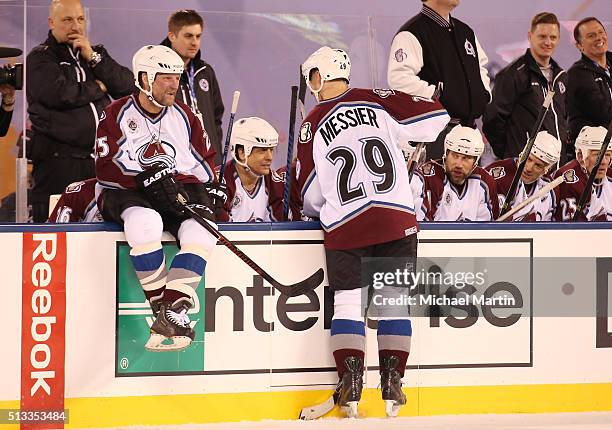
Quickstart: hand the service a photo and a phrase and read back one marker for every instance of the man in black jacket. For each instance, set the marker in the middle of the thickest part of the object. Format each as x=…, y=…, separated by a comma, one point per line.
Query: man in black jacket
x=69, y=82
x=435, y=55
x=589, y=93
x=520, y=89
x=199, y=88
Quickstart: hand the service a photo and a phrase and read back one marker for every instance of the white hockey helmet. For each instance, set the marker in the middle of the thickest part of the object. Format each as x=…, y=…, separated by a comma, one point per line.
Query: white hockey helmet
x=464, y=140
x=252, y=132
x=547, y=148
x=331, y=64
x=590, y=139
x=154, y=59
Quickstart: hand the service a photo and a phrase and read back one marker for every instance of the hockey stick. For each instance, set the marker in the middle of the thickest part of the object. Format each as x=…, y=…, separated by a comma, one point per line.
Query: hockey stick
x=230, y=126
x=527, y=150
x=302, y=95
x=414, y=159
x=586, y=193
x=293, y=290
x=290, y=139
x=539, y=194
x=317, y=411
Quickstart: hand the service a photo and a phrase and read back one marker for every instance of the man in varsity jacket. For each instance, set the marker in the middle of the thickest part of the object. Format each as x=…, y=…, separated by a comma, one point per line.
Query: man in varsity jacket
x=435, y=55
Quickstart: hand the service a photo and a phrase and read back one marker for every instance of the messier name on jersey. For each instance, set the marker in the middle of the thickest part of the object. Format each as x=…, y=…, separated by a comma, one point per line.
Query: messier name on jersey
x=350, y=117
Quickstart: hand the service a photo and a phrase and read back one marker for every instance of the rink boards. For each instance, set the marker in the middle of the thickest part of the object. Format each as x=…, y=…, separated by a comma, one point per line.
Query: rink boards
x=80, y=321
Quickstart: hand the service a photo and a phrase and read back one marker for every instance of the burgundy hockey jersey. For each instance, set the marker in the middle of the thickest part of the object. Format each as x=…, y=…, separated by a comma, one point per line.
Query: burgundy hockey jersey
x=503, y=172
x=351, y=171
x=265, y=203
x=77, y=204
x=130, y=141
x=475, y=200
x=598, y=207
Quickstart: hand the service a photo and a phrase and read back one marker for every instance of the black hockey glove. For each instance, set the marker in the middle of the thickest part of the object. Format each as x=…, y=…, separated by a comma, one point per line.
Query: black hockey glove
x=217, y=192
x=162, y=190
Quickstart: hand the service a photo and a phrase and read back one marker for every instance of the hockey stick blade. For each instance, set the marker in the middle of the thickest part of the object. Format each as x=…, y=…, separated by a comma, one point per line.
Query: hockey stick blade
x=292, y=290
x=317, y=411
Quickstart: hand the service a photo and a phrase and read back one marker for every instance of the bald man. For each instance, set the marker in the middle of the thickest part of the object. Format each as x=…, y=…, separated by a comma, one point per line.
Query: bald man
x=69, y=83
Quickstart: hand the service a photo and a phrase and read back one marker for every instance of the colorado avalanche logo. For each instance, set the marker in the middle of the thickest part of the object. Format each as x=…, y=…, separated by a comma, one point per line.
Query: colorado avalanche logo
x=400, y=55
x=156, y=152
x=570, y=176
x=75, y=187
x=383, y=92
x=428, y=169
x=498, y=172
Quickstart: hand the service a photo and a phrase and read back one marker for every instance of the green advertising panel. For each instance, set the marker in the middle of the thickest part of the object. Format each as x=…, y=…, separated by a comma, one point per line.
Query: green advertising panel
x=134, y=318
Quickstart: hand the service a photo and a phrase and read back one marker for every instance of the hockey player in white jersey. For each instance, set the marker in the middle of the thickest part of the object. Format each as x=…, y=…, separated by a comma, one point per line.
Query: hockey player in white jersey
x=576, y=173
x=544, y=155
x=255, y=191
x=353, y=177
x=151, y=149
x=458, y=189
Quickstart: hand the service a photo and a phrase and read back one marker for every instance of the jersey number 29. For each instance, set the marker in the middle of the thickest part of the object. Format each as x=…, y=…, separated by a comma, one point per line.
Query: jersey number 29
x=375, y=156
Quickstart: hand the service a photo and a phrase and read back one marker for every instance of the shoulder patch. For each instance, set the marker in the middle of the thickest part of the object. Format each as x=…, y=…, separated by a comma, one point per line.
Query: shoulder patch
x=305, y=132
x=570, y=176
x=428, y=169
x=383, y=92
x=278, y=176
x=497, y=172
x=75, y=187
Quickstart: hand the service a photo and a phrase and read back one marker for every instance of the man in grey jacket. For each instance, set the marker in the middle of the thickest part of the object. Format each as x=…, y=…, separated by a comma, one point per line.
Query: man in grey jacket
x=199, y=88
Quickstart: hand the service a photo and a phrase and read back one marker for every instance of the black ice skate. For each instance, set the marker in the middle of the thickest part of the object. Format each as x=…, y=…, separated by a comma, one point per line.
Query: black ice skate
x=171, y=330
x=391, y=384
x=350, y=386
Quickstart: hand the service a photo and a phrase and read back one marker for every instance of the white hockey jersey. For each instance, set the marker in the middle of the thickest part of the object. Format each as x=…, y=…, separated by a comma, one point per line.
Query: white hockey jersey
x=351, y=172
x=130, y=141
x=475, y=200
x=540, y=209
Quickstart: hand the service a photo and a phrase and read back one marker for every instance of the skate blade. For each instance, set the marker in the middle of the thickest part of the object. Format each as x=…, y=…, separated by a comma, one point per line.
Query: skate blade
x=392, y=408
x=178, y=343
x=350, y=410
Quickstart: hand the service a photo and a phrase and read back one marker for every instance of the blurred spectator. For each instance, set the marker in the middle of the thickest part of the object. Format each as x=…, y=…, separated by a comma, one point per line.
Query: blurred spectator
x=520, y=89
x=435, y=55
x=199, y=87
x=6, y=109
x=589, y=93
x=69, y=83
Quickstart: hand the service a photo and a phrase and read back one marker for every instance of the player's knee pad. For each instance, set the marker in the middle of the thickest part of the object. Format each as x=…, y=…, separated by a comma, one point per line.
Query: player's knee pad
x=142, y=226
x=192, y=234
x=347, y=305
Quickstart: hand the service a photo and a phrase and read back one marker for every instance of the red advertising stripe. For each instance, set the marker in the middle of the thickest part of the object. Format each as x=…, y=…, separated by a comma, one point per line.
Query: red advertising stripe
x=43, y=325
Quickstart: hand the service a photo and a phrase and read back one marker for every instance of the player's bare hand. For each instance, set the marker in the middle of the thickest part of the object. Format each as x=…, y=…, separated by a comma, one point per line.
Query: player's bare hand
x=102, y=86
x=81, y=42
